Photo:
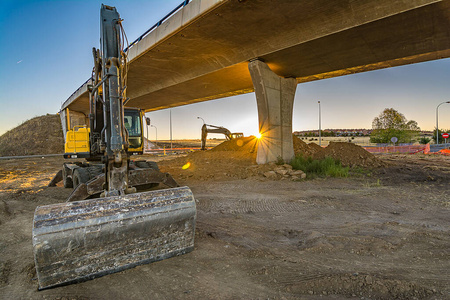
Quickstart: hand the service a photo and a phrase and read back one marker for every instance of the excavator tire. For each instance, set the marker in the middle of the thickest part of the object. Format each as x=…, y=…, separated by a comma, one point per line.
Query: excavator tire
x=68, y=183
x=153, y=165
x=147, y=165
x=80, y=175
x=81, y=240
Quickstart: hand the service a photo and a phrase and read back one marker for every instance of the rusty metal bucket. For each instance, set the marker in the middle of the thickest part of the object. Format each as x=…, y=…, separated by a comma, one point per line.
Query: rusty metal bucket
x=81, y=240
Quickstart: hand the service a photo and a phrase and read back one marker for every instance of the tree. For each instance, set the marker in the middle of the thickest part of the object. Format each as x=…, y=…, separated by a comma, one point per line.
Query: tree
x=424, y=140
x=390, y=123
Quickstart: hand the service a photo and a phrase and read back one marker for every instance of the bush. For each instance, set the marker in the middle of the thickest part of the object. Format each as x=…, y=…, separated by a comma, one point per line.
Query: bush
x=322, y=168
x=424, y=140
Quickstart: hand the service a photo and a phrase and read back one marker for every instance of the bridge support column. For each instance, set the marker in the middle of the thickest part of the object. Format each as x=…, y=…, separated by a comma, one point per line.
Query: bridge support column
x=275, y=99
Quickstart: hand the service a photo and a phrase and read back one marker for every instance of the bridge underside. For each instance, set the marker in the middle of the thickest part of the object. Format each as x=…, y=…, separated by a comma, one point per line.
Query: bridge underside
x=203, y=51
x=206, y=61
x=207, y=57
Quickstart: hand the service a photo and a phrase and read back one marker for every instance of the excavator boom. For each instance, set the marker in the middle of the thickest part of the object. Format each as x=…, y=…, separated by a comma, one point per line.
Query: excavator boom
x=80, y=240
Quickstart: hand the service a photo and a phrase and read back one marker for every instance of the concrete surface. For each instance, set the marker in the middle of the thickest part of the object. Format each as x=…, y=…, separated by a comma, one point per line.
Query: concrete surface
x=201, y=52
x=275, y=100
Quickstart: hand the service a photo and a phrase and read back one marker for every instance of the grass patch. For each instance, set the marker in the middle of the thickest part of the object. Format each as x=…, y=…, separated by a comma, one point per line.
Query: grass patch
x=373, y=184
x=327, y=167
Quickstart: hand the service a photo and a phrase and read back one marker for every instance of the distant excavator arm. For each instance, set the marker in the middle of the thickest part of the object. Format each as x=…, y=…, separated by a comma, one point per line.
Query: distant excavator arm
x=207, y=128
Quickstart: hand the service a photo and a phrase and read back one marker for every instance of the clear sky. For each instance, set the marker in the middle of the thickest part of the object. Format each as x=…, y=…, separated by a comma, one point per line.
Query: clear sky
x=45, y=55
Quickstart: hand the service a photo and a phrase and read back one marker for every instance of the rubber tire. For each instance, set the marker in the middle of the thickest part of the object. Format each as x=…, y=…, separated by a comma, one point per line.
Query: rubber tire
x=153, y=165
x=80, y=175
x=147, y=165
x=68, y=183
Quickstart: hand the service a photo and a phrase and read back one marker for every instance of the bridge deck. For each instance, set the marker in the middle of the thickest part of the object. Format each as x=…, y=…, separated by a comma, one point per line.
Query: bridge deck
x=201, y=52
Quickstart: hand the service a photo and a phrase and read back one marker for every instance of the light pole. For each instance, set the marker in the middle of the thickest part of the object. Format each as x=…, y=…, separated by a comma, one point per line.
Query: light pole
x=156, y=137
x=147, y=121
x=437, y=122
x=201, y=119
x=170, y=111
x=320, y=125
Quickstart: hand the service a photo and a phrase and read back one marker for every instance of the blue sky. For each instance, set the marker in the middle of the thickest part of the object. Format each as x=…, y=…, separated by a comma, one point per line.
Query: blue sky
x=45, y=55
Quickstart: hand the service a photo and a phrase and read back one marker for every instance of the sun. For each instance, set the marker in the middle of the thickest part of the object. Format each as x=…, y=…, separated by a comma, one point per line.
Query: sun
x=258, y=135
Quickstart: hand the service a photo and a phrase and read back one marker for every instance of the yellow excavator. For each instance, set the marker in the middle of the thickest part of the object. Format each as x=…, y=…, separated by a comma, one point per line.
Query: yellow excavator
x=207, y=128
x=111, y=221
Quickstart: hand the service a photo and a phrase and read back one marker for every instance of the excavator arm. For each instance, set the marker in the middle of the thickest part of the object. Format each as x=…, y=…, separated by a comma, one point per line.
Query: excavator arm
x=207, y=128
x=81, y=240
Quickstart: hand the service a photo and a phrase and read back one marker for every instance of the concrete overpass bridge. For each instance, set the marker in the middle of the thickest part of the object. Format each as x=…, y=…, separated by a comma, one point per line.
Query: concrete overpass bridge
x=209, y=49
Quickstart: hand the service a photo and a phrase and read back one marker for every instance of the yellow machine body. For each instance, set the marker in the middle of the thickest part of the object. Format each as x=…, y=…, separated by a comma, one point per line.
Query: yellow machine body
x=77, y=137
x=77, y=141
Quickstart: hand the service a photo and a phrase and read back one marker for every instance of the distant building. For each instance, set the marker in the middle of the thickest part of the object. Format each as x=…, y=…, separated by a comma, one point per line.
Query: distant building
x=344, y=132
x=334, y=132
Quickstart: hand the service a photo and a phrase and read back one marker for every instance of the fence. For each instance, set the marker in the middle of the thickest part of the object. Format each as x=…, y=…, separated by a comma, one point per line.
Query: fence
x=398, y=149
x=411, y=149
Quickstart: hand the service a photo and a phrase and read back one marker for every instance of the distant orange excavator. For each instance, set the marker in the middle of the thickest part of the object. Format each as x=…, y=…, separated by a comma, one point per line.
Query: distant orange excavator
x=207, y=128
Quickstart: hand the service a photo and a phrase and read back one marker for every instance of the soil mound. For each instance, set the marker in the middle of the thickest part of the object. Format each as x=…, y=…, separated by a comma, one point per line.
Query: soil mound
x=214, y=164
x=40, y=135
x=349, y=155
x=302, y=148
x=247, y=144
x=236, y=159
x=315, y=147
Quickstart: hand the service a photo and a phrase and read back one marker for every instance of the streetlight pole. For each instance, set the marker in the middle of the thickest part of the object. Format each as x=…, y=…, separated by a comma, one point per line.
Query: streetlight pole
x=201, y=119
x=320, y=125
x=170, y=111
x=156, y=137
x=147, y=122
x=437, y=122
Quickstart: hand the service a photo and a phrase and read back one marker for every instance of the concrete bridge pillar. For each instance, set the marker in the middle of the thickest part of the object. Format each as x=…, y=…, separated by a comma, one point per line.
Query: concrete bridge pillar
x=275, y=99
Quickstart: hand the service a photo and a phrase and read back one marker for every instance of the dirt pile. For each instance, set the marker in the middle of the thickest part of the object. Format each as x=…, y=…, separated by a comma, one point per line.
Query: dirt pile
x=40, y=135
x=349, y=155
x=246, y=144
x=302, y=148
x=236, y=159
x=213, y=164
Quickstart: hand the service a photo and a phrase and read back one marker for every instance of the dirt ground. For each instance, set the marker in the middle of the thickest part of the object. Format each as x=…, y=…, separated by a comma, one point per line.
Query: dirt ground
x=378, y=234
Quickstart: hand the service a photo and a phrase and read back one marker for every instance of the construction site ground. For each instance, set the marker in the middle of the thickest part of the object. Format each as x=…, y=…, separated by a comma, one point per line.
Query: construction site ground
x=380, y=233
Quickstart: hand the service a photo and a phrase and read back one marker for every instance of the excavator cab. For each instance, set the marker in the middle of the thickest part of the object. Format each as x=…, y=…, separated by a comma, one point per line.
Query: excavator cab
x=77, y=137
x=134, y=125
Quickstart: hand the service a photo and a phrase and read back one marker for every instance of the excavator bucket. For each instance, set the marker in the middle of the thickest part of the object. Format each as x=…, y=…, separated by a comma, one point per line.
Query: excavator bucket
x=81, y=240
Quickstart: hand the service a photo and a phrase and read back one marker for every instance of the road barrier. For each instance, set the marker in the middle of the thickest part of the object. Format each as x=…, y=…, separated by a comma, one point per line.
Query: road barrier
x=165, y=151
x=411, y=149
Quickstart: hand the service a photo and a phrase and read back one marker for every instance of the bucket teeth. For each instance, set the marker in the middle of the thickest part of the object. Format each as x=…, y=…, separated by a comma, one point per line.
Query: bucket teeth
x=82, y=240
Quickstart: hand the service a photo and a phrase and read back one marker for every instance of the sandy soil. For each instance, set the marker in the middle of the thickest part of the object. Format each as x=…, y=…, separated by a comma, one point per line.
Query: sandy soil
x=380, y=234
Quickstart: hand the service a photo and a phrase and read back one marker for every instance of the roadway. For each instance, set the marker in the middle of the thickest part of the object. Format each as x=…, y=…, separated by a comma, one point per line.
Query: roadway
x=202, y=51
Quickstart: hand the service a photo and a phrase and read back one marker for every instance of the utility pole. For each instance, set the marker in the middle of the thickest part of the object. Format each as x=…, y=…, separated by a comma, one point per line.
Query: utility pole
x=320, y=125
x=170, y=116
x=437, y=122
x=156, y=136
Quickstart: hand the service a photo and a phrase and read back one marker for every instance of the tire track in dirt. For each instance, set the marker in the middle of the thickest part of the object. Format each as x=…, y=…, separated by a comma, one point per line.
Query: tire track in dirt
x=238, y=206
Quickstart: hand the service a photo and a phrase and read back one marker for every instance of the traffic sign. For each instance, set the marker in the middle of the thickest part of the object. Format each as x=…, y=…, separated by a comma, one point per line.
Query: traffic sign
x=445, y=135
